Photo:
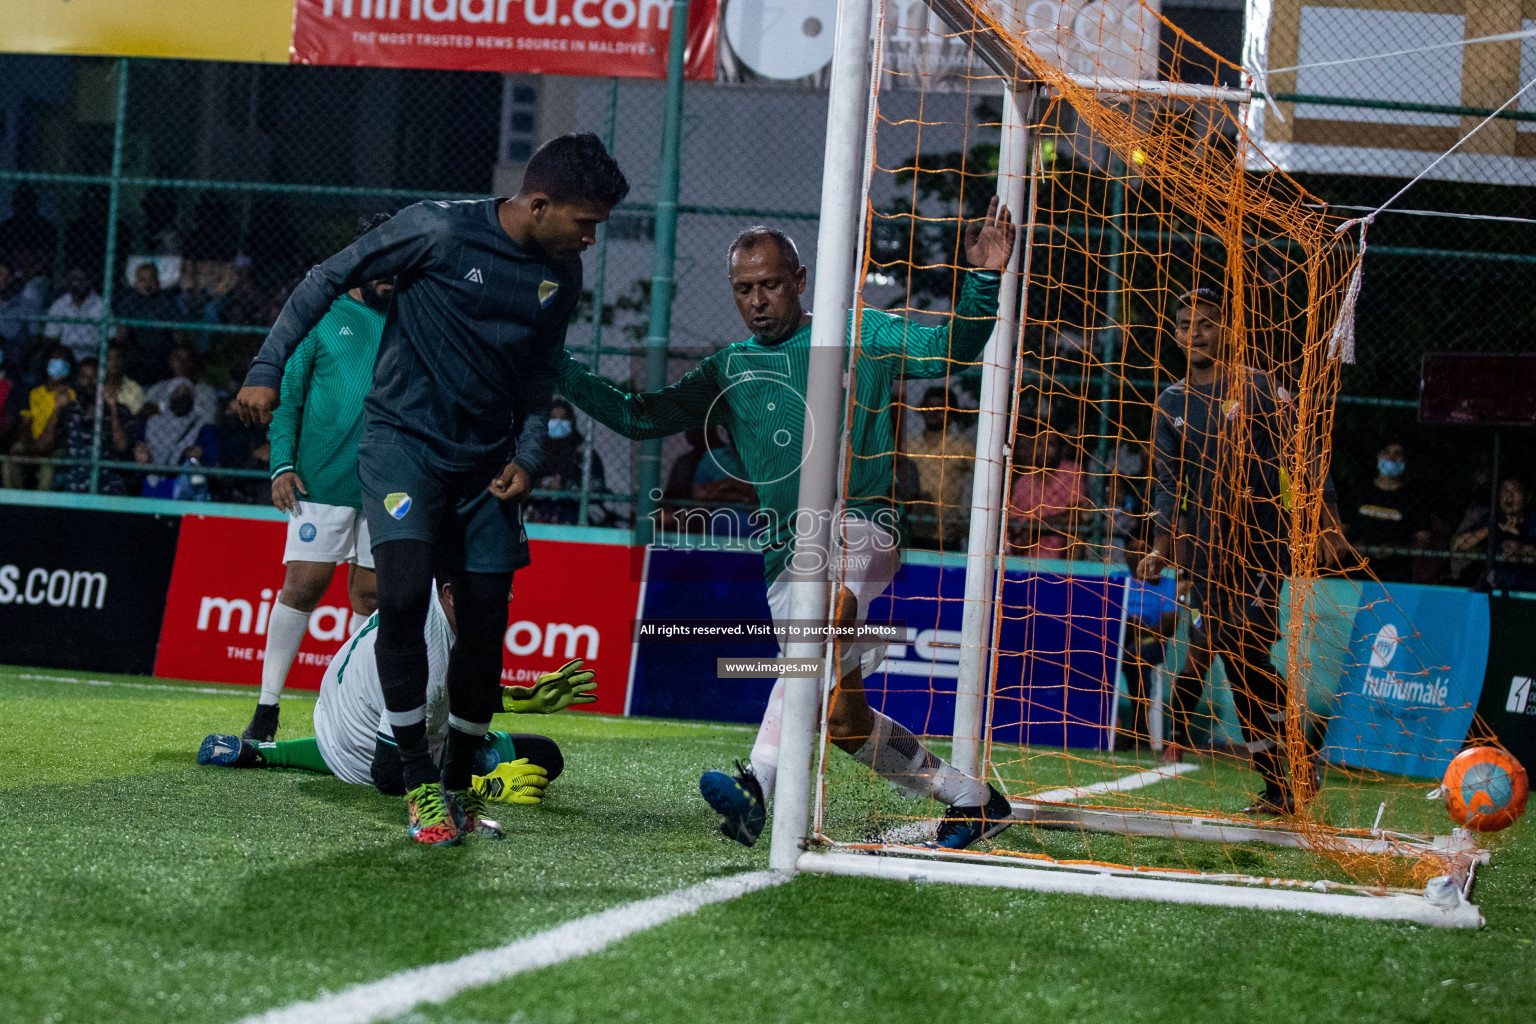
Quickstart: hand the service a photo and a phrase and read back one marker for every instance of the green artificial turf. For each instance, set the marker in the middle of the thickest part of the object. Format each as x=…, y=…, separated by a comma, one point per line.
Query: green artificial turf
x=136, y=886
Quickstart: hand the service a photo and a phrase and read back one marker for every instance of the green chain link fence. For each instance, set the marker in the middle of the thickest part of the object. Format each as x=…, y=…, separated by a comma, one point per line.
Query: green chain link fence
x=228, y=181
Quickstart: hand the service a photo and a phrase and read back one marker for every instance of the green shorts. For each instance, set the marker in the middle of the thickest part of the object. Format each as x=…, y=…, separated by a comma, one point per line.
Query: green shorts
x=405, y=497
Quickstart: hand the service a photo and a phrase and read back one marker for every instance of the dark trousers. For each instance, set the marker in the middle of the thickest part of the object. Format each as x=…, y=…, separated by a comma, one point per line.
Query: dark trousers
x=1138, y=664
x=1241, y=634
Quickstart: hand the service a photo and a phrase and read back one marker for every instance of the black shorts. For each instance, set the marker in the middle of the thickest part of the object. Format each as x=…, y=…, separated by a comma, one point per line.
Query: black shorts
x=405, y=497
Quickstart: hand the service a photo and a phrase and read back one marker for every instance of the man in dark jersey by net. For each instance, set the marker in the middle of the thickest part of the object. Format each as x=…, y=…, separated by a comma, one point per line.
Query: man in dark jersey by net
x=453, y=431
x=1219, y=438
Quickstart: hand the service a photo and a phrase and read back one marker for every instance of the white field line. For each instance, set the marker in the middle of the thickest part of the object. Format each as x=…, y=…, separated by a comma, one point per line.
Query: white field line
x=437, y=983
x=919, y=832
x=231, y=690
x=1122, y=785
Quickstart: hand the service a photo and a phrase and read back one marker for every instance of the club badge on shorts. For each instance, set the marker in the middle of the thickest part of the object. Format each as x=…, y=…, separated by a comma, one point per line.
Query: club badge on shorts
x=397, y=504
x=547, y=290
x=307, y=532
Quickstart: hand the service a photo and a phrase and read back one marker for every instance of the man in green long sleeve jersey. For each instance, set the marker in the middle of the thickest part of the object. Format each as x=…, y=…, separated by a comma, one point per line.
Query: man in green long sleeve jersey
x=757, y=387
x=314, y=436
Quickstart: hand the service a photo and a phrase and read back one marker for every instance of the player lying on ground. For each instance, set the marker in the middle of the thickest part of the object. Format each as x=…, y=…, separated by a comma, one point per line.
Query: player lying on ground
x=484, y=291
x=353, y=739
x=757, y=387
x=314, y=478
x=1219, y=438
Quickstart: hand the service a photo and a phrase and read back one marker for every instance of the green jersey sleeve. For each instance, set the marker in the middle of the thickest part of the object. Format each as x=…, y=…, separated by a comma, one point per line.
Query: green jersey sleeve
x=283, y=433
x=932, y=351
x=640, y=415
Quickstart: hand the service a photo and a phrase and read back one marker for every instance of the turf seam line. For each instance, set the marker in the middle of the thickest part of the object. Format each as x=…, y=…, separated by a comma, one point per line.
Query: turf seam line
x=224, y=691
x=437, y=983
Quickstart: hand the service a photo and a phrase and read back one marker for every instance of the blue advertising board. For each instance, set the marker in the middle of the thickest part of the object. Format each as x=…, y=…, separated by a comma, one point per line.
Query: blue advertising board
x=1054, y=675
x=1411, y=681
x=1058, y=636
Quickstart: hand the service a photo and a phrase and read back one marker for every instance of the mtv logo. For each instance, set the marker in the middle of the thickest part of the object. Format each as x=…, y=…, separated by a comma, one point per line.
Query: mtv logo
x=1519, y=696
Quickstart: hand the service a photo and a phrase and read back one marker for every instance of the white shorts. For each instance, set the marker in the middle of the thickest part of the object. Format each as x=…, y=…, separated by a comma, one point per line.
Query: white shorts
x=870, y=561
x=327, y=533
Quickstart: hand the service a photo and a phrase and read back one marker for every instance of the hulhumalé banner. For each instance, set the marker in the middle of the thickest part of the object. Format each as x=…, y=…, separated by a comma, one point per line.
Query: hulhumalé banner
x=1508, y=706
x=1412, y=680
x=623, y=38
x=83, y=589
x=218, y=607
x=244, y=30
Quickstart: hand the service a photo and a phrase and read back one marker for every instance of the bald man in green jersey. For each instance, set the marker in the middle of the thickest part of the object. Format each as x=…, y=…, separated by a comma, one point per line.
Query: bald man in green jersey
x=314, y=436
x=757, y=388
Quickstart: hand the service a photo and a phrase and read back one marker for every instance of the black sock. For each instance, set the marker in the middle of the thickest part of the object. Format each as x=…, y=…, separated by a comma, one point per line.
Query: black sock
x=405, y=587
x=459, y=755
x=474, y=669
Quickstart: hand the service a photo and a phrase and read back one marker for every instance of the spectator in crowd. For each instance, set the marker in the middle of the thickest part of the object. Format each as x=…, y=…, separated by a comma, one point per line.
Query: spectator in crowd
x=677, y=496
x=22, y=299
x=562, y=472
x=186, y=368
x=12, y=391
x=242, y=447
x=1390, y=511
x=79, y=302
x=720, y=484
x=1048, y=494
x=1515, y=539
x=944, y=460
x=1125, y=497
x=26, y=235
x=118, y=386
x=16, y=304
x=177, y=434
x=149, y=348
x=1151, y=616
x=37, y=433
x=77, y=436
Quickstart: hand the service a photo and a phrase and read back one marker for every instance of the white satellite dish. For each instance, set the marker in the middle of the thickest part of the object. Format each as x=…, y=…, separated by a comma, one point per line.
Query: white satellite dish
x=781, y=38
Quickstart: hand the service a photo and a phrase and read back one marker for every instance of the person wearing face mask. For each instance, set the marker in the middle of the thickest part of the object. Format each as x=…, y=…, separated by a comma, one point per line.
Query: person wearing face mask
x=562, y=471
x=37, y=434
x=177, y=433
x=1389, y=511
x=313, y=438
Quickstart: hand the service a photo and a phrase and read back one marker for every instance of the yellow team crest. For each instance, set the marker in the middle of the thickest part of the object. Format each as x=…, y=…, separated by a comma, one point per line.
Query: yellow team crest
x=547, y=290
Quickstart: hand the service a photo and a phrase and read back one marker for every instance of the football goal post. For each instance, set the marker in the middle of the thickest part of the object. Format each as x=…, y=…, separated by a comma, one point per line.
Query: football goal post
x=1158, y=383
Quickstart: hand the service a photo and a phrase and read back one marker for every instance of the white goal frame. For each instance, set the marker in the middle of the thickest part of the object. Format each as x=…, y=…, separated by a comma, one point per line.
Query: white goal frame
x=795, y=844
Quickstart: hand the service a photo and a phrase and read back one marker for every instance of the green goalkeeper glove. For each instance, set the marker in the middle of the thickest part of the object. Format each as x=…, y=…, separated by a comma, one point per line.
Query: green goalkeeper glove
x=512, y=782
x=551, y=692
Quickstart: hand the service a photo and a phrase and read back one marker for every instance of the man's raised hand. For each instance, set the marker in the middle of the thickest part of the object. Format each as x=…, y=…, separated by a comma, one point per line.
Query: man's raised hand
x=255, y=404
x=553, y=691
x=989, y=241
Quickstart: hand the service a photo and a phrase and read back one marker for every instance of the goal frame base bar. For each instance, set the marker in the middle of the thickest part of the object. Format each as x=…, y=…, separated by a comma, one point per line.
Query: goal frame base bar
x=1226, y=830
x=1389, y=907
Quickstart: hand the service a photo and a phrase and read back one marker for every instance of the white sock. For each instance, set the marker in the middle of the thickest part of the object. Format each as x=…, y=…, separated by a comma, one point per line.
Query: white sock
x=900, y=757
x=355, y=623
x=765, y=750
x=285, y=631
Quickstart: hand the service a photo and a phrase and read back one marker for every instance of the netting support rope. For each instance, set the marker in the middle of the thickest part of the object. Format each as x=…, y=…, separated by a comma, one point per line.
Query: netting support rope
x=992, y=432
x=842, y=207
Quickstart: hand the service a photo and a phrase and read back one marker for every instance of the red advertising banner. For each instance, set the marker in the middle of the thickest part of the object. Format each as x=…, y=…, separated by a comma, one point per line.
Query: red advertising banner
x=606, y=38
x=228, y=572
